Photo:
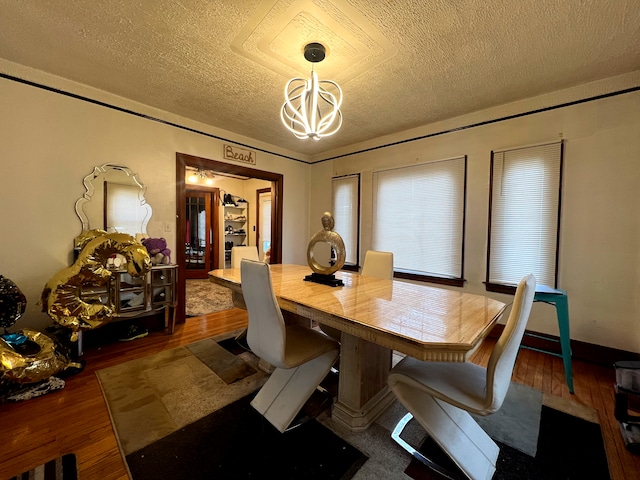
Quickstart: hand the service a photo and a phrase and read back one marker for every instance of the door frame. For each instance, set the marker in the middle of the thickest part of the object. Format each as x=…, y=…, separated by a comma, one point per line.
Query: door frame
x=184, y=160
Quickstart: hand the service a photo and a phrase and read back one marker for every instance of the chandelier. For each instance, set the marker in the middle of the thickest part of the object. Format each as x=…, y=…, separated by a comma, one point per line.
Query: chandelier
x=200, y=176
x=312, y=107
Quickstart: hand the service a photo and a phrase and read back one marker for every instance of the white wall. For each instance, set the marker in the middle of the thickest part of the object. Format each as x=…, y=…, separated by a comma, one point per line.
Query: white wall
x=49, y=142
x=600, y=232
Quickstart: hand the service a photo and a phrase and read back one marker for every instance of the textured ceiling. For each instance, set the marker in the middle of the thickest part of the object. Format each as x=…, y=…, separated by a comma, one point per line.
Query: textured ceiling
x=401, y=64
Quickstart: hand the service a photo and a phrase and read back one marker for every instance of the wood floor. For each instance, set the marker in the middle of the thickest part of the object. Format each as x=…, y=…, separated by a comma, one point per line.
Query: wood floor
x=75, y=419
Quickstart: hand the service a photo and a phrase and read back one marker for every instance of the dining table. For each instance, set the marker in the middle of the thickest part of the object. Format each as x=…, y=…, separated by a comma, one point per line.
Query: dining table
x=377, y=317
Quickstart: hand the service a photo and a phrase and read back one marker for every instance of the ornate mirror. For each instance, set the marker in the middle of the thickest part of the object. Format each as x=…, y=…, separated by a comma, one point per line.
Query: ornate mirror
x=114, y=201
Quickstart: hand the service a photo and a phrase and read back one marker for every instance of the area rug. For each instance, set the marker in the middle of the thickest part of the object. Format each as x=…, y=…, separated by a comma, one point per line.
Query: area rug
x=61, y=468
x=203, y=297
x=569, y=448
x=228, y=439
x=236, y=442
x=151, y=397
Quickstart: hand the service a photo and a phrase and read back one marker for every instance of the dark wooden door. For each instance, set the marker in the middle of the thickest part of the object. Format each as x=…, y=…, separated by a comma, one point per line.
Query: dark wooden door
x=200, y=233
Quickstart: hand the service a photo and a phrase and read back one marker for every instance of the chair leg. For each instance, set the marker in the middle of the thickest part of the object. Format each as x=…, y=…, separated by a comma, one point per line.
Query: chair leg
x=455, y=431
x=396, y=436
x=286, y=391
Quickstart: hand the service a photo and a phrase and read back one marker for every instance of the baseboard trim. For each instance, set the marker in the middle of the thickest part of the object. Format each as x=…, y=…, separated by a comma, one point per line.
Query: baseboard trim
x=587, y=352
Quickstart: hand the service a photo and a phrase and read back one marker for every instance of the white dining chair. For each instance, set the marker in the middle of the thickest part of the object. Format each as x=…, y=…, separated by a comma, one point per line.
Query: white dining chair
x=378, y=264
x=238, y=253
x=440, y=395
x=302, y=357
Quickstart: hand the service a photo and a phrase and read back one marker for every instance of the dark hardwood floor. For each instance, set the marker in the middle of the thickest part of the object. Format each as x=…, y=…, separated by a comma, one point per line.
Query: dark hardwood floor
x=76, y=420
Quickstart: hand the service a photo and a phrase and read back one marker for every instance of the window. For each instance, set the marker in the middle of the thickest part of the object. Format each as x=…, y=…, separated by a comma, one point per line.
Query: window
x=419, y=216
x=346, y=215
x=524, y=216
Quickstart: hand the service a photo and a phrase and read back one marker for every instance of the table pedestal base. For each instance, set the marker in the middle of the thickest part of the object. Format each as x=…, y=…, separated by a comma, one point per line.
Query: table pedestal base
x=363, y=393
x=361, y=419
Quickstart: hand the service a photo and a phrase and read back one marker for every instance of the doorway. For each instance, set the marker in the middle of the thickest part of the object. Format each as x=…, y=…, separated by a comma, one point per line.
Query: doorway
x=182, y=162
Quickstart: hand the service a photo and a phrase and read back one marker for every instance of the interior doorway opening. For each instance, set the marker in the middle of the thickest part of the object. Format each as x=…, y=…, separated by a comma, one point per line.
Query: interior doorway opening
x=184, y=161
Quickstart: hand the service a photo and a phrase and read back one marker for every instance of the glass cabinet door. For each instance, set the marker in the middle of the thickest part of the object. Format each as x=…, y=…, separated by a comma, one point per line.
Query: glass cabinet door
x=130, y=292
x=163, y=287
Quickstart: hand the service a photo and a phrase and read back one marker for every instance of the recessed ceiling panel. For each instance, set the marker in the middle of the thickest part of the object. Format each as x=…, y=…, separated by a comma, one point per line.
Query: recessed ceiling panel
x=276, y=34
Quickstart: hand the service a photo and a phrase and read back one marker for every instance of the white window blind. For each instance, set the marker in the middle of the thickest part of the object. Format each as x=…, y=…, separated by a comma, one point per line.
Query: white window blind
x=419, y=216
x=345, y=211
x=525, y=210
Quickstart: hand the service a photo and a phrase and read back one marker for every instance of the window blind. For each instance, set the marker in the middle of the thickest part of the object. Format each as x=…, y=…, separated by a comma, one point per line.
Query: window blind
x=419, y=216
x=346, y=213
x=524, y=214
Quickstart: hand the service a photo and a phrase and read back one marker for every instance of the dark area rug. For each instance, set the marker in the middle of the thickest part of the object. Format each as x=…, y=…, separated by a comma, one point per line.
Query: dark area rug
x=569, y=448
x=236, y=442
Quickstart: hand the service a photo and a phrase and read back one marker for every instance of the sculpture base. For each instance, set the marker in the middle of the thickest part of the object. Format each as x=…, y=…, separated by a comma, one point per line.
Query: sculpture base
x=330, y=280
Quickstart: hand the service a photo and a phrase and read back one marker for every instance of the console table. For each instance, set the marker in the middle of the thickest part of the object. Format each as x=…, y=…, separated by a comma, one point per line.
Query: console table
x=135, y=297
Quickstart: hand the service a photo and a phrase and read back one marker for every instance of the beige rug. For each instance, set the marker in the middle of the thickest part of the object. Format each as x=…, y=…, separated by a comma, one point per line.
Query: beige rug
x=203, y=296
x=151, y=397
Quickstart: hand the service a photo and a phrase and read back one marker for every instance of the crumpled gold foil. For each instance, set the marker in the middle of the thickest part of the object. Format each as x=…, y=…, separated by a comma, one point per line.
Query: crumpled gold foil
x=86, y=236
x=61, y=295
x=19, y=368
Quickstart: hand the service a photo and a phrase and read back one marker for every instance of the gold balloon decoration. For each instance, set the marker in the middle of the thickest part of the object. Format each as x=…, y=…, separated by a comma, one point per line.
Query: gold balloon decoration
x=47, y=360
x=86, y=236
x=61, y=295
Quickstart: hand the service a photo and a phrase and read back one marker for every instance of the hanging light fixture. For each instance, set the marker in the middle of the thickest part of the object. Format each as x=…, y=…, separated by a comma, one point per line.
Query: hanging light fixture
x=201, y=175
x=312, y=107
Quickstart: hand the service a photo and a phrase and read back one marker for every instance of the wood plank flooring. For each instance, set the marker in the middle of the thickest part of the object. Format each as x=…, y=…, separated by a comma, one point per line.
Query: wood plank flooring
x=76, y=420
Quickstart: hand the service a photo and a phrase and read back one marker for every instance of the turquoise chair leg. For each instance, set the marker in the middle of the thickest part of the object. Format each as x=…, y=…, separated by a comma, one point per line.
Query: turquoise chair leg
x=560, y=301
x=562, y=310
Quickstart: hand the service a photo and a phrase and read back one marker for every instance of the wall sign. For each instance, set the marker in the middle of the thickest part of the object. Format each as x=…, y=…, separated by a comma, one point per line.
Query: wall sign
x=238, y=154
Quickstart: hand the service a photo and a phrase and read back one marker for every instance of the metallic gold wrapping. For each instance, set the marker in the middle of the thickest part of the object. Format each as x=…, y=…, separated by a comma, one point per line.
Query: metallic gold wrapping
x=86, y=236
x=89, y=273
x=19, y=368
